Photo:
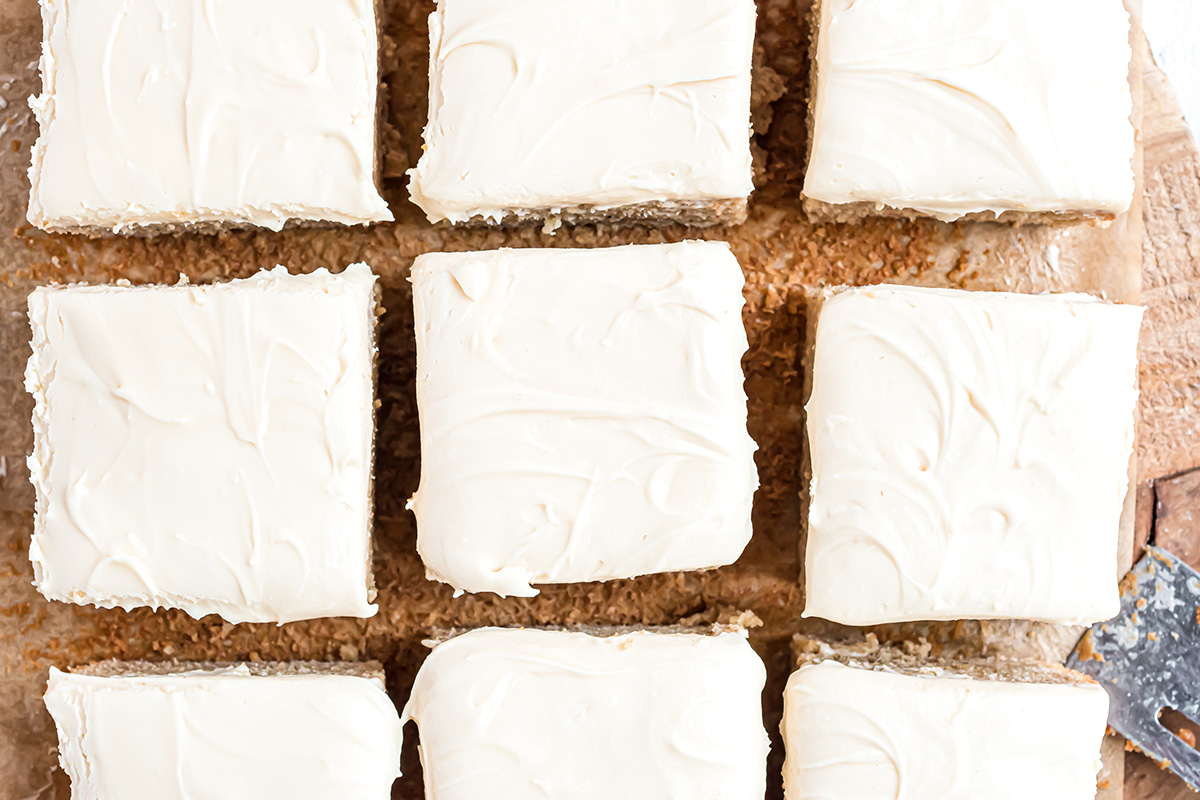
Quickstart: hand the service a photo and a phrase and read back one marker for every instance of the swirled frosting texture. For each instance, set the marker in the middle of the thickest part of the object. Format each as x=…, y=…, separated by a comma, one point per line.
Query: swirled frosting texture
x=953, y=108
x=871, y=735
x=582, y=414
x=225, y=733
x=970, y=455
x=522, y=714
x=205, y=111
x=206, y=447
x=557, y=104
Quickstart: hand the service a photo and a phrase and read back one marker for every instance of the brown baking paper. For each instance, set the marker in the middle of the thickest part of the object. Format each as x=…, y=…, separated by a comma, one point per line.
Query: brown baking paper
x=781, y=253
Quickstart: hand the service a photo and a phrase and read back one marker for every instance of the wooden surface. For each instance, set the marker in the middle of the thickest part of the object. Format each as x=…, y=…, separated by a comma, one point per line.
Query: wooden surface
x=783, y=256
x=1177, y=516
x=1169, y=437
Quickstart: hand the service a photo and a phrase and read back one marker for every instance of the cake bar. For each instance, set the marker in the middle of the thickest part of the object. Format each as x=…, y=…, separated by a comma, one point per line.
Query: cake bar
x=533, y=713
x=970, y=455
x=1010, y=109
x=205, y=114
x=296, y=731
x=582, y=414
x=884, y=727
x=206, y=447
x=588, y=111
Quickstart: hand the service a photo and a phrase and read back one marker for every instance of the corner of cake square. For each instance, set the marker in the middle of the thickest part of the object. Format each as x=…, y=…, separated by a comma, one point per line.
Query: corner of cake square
x=202, y=115
x=583, y=416
x=206, y=447
x=614, y=111
x=970, y=455
x=1018, y=110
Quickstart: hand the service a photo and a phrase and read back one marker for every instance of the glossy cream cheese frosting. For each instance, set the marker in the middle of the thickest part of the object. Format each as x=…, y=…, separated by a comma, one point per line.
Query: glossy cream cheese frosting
x=206, y=447
x=546, y=105
x=873, y=735
x=582, y=414
x=225, y=733
x=970, y=455
x=520, y=714
x=987, y=106
x=206, y=111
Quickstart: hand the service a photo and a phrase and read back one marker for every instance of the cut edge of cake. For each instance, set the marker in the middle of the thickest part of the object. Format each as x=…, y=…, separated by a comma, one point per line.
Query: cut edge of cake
x=116, y=668
x=737, y=622
x=916, y=659
x=705, y=213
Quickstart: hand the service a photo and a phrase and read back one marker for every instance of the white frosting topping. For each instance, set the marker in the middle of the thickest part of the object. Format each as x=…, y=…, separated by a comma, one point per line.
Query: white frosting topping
x=225, y=733
x=206, y=111
x=554, y=104
x=852, y=732
x=970, y=455
x=582, y=414
x=206, y=447
x=983, y=106
x=519, y=714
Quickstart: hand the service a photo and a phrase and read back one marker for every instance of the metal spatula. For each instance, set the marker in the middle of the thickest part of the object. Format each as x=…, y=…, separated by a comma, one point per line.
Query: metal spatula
x=1148, y=658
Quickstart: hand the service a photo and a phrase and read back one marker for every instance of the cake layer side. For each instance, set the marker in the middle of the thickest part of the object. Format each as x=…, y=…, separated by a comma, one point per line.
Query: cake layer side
x=653, y=214
x=916, y=658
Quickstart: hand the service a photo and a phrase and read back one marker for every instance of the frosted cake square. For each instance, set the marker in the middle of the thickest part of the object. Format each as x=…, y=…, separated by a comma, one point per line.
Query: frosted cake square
x=533, y=713
x=588, y=110
x=206, y=447
x=969, y=454
x=1018, y=109
x=304, y=730
x=877, y=729
x=206, y=114
x=582, y=412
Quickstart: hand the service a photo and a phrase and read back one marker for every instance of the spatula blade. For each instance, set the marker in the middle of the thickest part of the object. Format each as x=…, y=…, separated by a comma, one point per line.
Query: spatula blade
x=1148, y=658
